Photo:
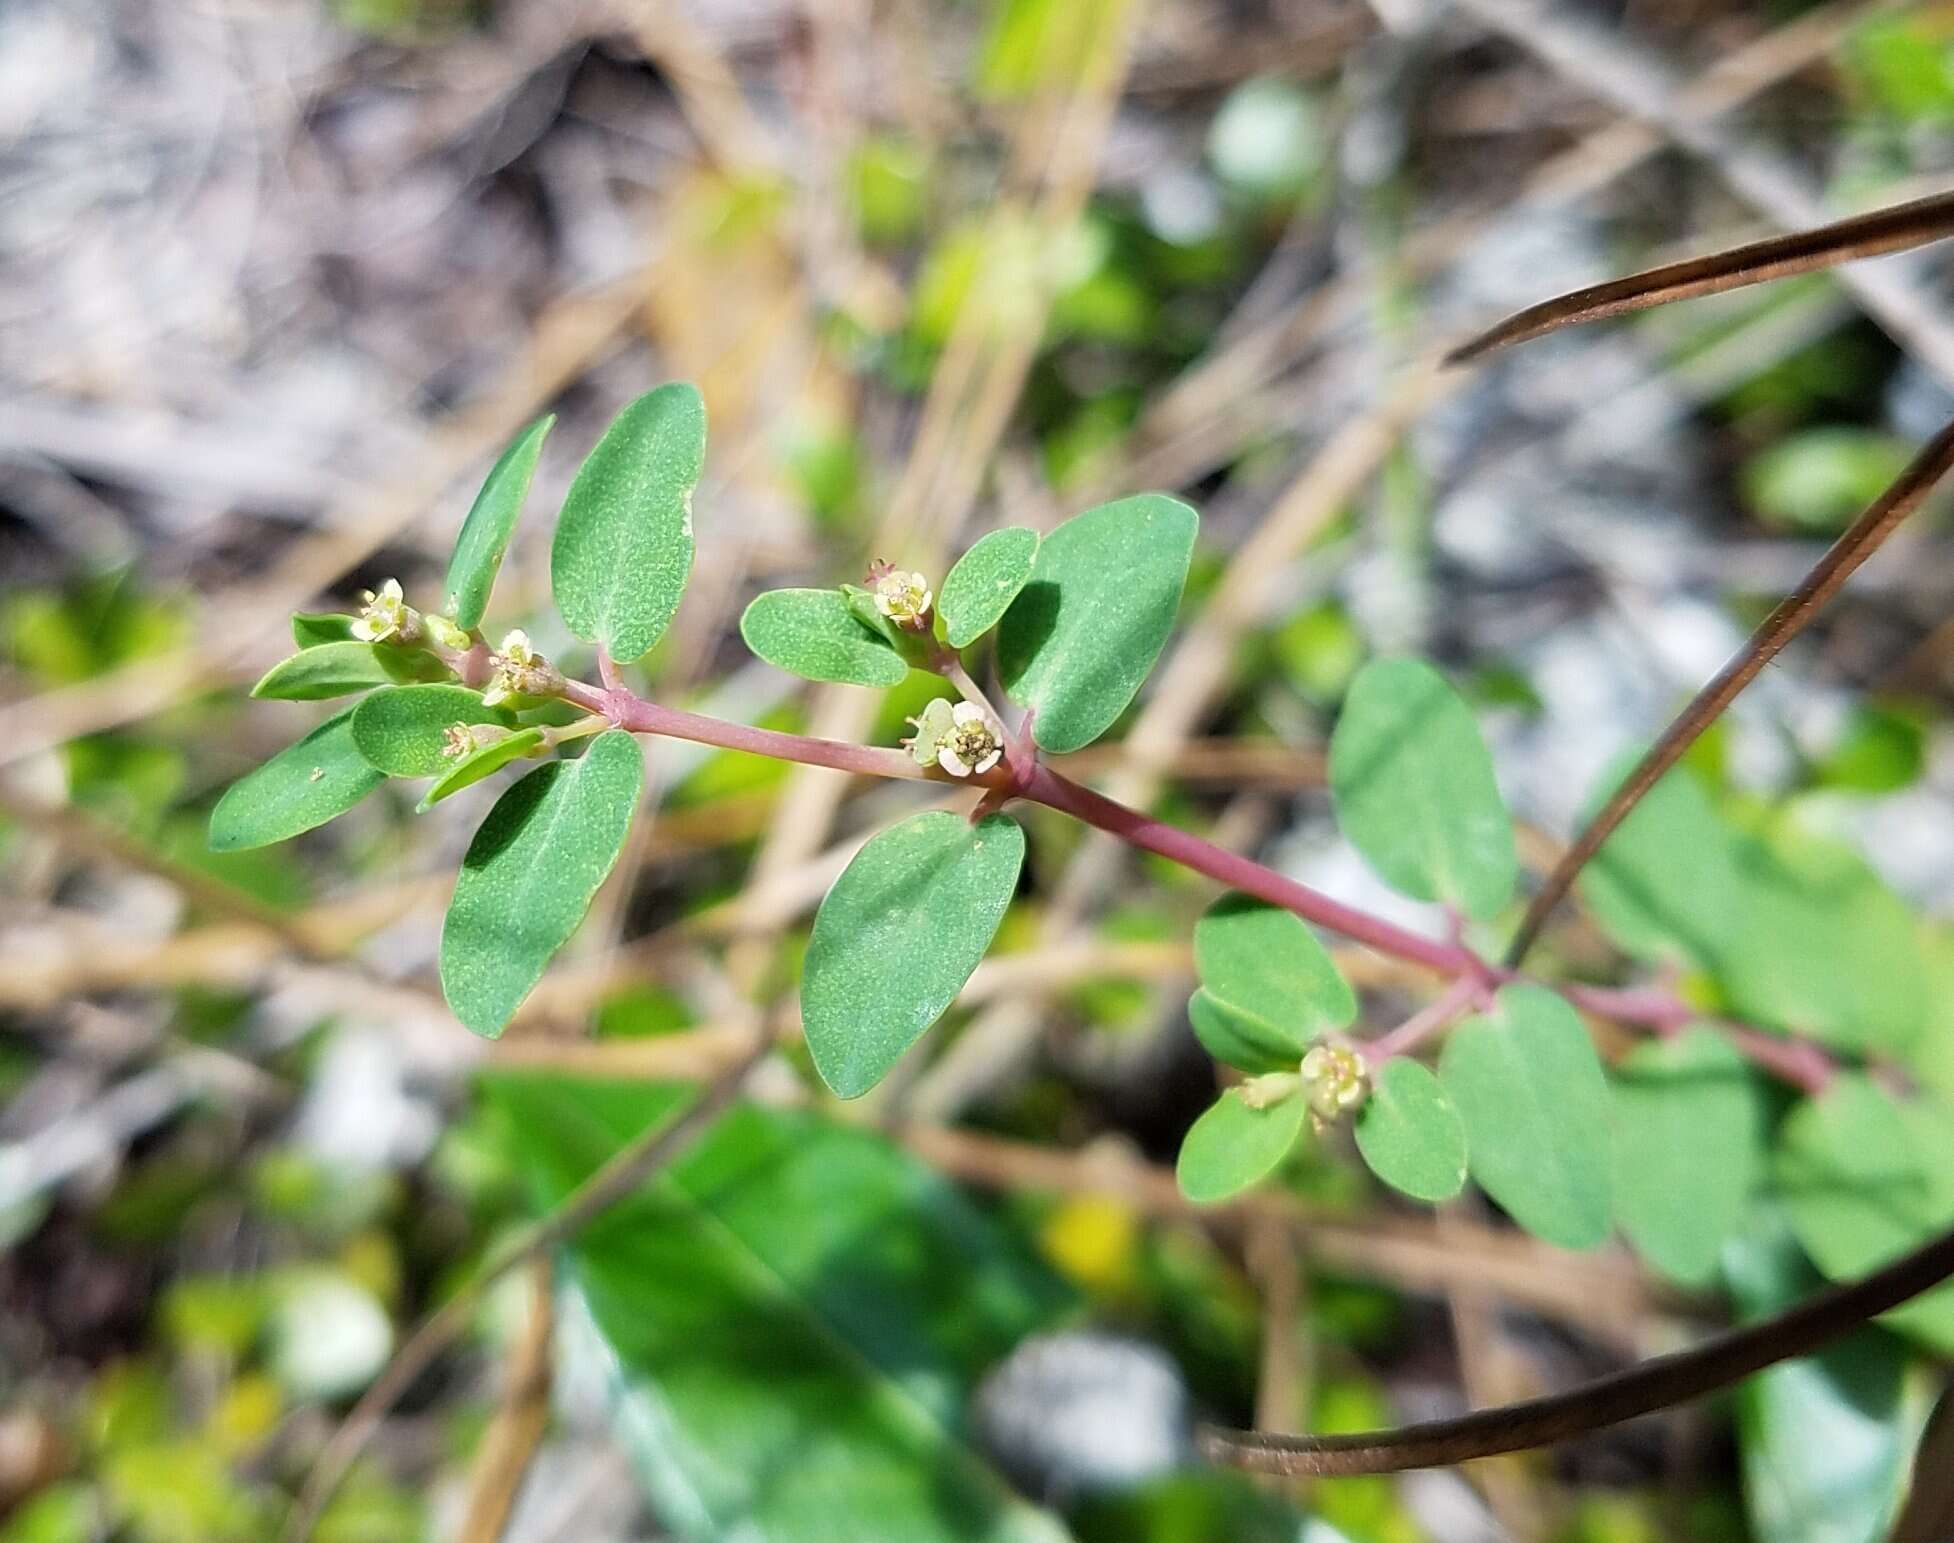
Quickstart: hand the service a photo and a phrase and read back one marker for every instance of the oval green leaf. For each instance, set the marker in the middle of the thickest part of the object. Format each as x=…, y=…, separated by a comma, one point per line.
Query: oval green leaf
x=1409, y=1133
x=529, y=876
x=485, y=762
x=1084, y=632
x=311, y=628
x=897, y=937
x=1270, y=979
x=980, y=588
x=334, y=669
x=1239, y=1039
x=1529, y=1090
x=1689, y=1149
x=815, y=634
x=403, y=730
x=491, y=522
x=305, y=784
x=623, y=546
x=1233, y=1146
x=1665, y=886
x=1414, y=789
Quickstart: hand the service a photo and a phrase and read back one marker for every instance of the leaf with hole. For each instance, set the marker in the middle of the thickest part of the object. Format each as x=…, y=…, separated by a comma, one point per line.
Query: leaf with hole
x=530, y=874
x=898, y=935
x=793, y=1318
x=1235, y=1145
x=304, y=785
x=1414, y=789
x=1084, y=632
x=1409, y=1133
x=1270, y=989
x=815, y=634
x=403, y=730
x=336, y=669
x=623, y=546
x=979, y=589
x=490, y=523
x=1530, y=1093
x=1689, y=1149
x=483, y=761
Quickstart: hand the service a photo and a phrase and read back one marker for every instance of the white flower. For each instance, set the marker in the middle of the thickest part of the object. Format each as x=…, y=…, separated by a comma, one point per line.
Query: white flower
x=1334, y=1081
x=520, y=671
x=903, y=597
x=447, y=633
x=971, y=746
x=934, y=725
x=386, y=614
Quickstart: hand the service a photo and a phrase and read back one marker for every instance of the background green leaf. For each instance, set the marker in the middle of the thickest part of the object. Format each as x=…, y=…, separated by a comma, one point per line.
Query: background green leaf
x=477, y=764
x=1409, y=1133
x=403, y=729
x=335, y=669
x=1269, y=983
x=798, y=1314
x=1529, y=1089
x=490, y=523
x=529, y=876
x=1665, y=885
x=623, y=547
x=897, y=937
x=815, y=634
x=1083, y=634
x=1233, y=1146
x=1689, y=1149
x=1414, y=789
x=979, y=589
x=305, y=784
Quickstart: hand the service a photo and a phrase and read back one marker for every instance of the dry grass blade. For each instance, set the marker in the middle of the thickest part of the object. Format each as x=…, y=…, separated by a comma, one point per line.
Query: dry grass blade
x=1657, y=1384
x=1928, y=1515
x=1786, y=621
x=1863, y=235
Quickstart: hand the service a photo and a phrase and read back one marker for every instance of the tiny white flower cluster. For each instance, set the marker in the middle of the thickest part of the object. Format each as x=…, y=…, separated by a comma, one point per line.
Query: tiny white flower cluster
x=1334, y=1081
x=386, y=616
x=520, y=671
x=461, y=740
x=905, y=598
x=957, y=738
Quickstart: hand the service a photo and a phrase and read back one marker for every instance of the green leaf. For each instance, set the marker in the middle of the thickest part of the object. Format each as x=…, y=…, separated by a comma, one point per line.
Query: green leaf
x=1084, y=632
x=529, y=876
x=981, y=586
x=897, y=937
x=815, y=634
x=1689, y=1149
x=1824, y=1439
x=1665, y=886
x=402, y=730
x=476, y=765
x=1819, y=479
x=1233, y=1146
x=1269, y=985
x=623, y=547
x=1865, y=1178
x=305, y=784
x=1414, y=789
x=491, y=522
x=1410, y=1134
x=795, y=1314
x=334, y=669
x=310, y=629
x=1529, y=1089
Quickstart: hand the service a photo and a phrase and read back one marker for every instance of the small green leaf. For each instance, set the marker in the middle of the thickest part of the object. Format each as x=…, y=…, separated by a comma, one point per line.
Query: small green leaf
x=402, y=730
x=623, y=547
x=334, y=669
x=1865, y=1178
x=1665, y=885
x=1270, y=986
x=305, y=784
x=1529, y=1090
x=1414, y=789
x=491, y=522
x=485, y=762
x=1083, y=634
x=310, y=629
x=529, y=876
x=815, y=634
x=1233, y=1146
x=897, y=937
x=1689, y=1149
x=1410, y=1134
x=986, y=579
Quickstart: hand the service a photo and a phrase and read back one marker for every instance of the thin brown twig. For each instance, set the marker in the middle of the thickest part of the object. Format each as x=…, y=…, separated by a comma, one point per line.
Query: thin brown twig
x=1657, y=1384
x=520, y=1419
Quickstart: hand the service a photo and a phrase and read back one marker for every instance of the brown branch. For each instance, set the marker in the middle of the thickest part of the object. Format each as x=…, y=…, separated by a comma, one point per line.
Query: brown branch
x=1758, y=262
x=520, y=1420
x=1656, y=1384
x=1786, y=621
x=1928, y=1515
